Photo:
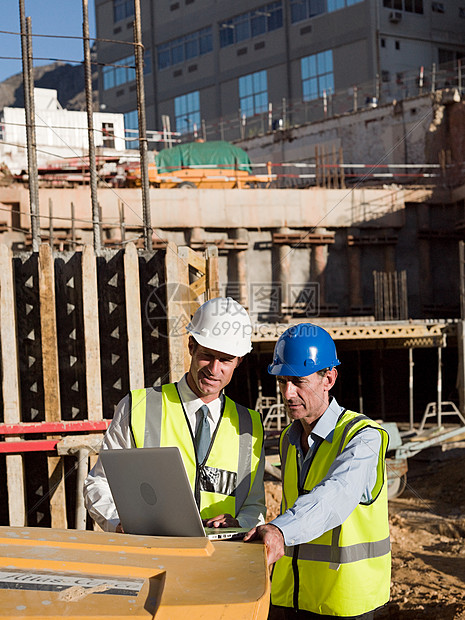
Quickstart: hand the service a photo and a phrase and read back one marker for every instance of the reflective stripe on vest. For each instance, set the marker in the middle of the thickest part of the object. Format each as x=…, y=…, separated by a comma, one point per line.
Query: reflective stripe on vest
x=351, y=553
x=224, y=480
x=346, y=571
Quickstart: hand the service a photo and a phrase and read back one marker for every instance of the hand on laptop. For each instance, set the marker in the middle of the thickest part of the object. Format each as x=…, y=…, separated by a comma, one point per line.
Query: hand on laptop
x=225, y=520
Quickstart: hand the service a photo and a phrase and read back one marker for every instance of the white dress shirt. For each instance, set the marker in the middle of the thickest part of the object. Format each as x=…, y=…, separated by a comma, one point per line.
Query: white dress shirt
x=97, y=495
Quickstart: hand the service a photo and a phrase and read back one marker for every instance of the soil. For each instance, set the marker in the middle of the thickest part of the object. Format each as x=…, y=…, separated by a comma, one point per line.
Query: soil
x=427, y=524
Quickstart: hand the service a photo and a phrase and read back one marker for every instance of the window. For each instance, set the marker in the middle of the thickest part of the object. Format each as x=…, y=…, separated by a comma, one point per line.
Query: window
x=252, y=24
x=122, y=9
x=120, y=72
x=108, y=135
x=131, y=121
x=253, y=93
x=305, y=9
x=187, y=112
x=411, y=6
x=185, y=48
x=124, y=70
x=317, y=75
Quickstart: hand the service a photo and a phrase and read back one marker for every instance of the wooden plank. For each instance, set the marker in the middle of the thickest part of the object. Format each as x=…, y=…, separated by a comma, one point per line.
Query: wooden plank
x=195, y=260
x=35, y=445
x=10, y=386
x=77, y=426
x=198, y=287
x=213, y=273
x=52, y=404
x=91, y=334
x=133, y=317
x=178, y=305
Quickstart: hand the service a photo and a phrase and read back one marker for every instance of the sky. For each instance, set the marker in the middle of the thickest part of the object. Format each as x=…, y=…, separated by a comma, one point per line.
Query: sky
x=50, y=17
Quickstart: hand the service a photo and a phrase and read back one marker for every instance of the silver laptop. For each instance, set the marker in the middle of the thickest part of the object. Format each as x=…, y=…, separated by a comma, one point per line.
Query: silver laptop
x=153, y=495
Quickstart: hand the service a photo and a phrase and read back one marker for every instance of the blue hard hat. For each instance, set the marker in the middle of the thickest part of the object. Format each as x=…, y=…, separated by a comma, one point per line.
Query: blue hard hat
x=302, y=350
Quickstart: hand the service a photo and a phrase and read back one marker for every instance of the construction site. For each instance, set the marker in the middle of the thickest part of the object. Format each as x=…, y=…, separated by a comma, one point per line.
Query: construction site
x=353, y=221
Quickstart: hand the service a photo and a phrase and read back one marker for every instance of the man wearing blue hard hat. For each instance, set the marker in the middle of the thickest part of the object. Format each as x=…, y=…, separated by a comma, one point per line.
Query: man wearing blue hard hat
x=331, y=541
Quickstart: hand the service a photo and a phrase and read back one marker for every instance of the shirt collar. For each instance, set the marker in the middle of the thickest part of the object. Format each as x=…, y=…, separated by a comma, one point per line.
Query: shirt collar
x=192, y=402
x=324, y=428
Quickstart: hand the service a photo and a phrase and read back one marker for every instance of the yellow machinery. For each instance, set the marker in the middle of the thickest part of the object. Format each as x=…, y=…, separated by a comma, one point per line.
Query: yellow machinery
x=205, y=165
x=49, y=573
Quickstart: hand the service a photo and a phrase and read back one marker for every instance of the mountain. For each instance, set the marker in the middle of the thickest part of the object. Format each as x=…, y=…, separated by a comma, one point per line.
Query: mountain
x=67, y=79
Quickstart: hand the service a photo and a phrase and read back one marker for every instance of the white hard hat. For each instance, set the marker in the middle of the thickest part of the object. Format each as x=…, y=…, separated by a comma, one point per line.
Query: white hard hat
x=222, y=324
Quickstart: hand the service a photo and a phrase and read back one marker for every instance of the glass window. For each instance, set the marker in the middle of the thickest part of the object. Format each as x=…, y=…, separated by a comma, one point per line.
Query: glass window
x=410, y=6
x=317, y=75
x=147, y=62
x=122, y=9
x=191, y=46
x=305, y=9
x=252, y=24
x=253, y=93
x=108, y=78
x=274, y=16
x=187, y=112
x=205, y=41
x=258, y=23
x=335, y=5
x=184, y=48
x=438, y=7
x=131, y=121
x=163, y=53
x=120, y=72
x=177, y=53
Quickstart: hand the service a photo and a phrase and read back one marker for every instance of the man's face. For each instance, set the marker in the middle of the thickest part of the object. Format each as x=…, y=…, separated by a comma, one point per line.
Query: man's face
x=210, y=371
x=307, y=398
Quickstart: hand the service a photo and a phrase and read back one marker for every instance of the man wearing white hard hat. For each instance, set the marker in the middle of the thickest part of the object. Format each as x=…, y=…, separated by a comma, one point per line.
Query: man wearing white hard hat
x=221, y=442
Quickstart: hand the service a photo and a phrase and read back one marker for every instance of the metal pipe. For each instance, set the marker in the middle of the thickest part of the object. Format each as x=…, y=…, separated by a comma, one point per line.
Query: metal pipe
x=28, y=87
x=82, y=469
x=410, y=387
x=50, y=217
x=360, y=384
x=90, y=126
x=143, y=148
x=439, y=401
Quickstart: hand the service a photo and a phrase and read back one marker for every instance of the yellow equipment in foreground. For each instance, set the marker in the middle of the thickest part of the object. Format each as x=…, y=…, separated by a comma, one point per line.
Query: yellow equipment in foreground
x=48, y=573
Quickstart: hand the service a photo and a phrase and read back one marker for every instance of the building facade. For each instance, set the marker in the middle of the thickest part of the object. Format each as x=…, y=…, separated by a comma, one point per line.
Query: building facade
x=214, y=64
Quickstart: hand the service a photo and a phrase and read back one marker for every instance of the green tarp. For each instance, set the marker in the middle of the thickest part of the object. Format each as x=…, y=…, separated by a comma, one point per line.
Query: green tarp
x=217, y=154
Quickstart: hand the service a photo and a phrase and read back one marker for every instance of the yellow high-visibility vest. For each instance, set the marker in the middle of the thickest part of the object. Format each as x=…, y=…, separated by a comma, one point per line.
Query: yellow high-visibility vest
x=222, y=482
x=347, y=570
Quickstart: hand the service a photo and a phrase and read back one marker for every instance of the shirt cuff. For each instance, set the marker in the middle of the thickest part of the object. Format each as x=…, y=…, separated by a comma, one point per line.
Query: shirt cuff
x=286, y=523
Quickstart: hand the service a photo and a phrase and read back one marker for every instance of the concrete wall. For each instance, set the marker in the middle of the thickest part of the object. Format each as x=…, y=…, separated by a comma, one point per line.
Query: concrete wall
x=330, y=278
x=221, y=209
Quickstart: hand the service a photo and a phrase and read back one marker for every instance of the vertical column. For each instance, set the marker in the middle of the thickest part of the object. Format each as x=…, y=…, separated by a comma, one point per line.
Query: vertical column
x=10, y=386
x=424, y=256
x=318, y=262
x=355, y=276
x=52, y=403
x=282, y=269
x=133, y=317
x=237, y=272
x=91, y=334
x=177, y=309
x=390, y=258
